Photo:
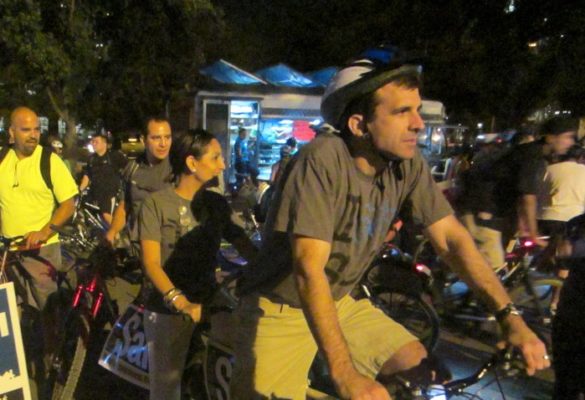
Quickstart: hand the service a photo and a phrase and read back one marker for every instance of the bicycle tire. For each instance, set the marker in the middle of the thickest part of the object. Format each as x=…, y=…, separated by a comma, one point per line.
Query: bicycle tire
x=67, y=362
x=411, y=311
x=536, y=308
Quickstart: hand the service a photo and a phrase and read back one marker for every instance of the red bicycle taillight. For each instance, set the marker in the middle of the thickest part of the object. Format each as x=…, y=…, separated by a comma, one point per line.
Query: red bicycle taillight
x=96, y=306
x=77, y=295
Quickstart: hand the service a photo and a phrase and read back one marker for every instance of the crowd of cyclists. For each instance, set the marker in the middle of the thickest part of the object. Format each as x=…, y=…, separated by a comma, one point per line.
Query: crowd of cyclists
x=330, y=212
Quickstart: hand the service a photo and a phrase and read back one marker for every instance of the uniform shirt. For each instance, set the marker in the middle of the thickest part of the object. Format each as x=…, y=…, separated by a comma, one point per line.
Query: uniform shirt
x=324, y=196
x=104, y=173
x=26, y=203
x=241, y=149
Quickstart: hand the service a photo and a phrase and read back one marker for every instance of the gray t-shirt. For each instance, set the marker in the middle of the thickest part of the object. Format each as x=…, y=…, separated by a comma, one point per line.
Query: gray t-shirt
x=189, y=242
x=139, y=180
x=324, y=196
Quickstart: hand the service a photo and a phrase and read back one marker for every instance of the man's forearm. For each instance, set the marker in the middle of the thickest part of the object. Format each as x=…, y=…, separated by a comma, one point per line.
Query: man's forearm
x=321, y=314
x=84, y=183
x=118, y=218
x=527, y=210
x=458, y=250
x=61, y=215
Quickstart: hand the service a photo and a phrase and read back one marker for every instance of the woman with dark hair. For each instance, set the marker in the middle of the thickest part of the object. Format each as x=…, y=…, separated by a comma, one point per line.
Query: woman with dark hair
x=181, y=228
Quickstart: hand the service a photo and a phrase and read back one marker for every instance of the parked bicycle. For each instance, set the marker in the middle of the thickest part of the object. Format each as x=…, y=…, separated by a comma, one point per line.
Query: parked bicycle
x=87, y=308
x=399, y=286
x=42, y=345
x=530, y=289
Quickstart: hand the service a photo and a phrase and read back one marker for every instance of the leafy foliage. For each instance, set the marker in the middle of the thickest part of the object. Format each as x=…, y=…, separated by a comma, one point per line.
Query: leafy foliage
x=114, y=60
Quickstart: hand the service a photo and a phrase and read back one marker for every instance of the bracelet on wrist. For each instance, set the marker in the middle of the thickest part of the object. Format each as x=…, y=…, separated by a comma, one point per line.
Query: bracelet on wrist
x=169, y=292
x=170, y=296
x=509, y=309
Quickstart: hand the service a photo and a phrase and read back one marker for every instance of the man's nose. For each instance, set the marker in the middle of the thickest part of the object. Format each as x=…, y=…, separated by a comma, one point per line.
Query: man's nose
x=417, y=122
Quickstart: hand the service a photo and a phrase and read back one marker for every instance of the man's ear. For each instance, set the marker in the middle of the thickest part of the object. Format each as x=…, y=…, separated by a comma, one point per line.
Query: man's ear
x=357, y=125
x=11, y=135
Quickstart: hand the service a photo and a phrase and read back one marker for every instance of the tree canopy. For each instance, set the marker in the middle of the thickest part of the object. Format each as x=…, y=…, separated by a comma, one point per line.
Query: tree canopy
x=117, y=61
x=477, y=57
x=114, y=60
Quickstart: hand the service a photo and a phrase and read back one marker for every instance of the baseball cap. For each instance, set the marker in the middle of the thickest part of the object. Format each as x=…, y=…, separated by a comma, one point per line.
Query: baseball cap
x=559, y=124
x=373, y=69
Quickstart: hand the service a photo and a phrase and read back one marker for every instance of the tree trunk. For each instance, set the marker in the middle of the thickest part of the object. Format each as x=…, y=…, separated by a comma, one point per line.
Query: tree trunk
x=71, y=131
x=70, y=139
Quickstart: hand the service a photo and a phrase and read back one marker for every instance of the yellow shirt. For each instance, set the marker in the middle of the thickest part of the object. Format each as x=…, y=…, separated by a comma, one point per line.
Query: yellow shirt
x=26, y=203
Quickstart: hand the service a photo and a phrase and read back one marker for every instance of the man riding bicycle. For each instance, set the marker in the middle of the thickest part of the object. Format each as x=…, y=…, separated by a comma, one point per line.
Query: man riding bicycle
x=330, y=215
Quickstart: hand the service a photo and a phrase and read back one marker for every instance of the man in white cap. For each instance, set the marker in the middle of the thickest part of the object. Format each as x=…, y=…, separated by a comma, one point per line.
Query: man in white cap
x=330, y=217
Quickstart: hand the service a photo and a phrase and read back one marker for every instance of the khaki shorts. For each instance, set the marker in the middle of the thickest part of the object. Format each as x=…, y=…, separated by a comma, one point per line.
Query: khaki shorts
x=275, y=348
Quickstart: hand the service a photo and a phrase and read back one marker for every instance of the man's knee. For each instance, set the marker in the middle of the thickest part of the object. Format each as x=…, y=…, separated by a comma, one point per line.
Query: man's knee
x=407, y=357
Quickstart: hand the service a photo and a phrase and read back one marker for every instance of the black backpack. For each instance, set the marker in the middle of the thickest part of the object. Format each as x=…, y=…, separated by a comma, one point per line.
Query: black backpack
x=45, y=166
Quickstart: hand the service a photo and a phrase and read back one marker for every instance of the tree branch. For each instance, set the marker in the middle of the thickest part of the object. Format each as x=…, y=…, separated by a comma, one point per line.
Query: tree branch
x=71, y=12
x=62, y=114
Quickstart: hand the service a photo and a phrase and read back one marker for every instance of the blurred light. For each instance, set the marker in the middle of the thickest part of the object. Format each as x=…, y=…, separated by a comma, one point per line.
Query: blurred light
x=479, y=125
x=533, y=44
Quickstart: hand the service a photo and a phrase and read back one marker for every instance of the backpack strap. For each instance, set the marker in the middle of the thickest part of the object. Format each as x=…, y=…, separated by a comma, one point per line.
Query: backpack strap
x=127, y=176
x=46, y=170
x=46, y=167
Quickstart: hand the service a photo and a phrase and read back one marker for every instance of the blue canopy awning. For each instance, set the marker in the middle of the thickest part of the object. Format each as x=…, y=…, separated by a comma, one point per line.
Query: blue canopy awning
x=322, y=76
x=224, y=72
x=283, y=75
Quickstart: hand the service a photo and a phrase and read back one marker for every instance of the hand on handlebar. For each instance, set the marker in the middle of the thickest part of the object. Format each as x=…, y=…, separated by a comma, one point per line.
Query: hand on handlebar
x=110, y=237
x=356, y=386
x=192, y=310
x=533, y=350
x=34, y=240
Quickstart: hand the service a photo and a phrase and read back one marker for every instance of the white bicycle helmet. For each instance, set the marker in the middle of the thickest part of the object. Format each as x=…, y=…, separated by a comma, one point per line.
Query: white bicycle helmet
x=375, y=68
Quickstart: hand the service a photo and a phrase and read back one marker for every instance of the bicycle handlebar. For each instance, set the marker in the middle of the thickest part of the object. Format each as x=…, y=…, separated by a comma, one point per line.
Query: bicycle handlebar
x=508, y=358
x=6, y=241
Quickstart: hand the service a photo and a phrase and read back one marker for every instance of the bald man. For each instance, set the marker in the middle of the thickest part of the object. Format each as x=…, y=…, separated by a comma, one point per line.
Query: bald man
x=28, y=206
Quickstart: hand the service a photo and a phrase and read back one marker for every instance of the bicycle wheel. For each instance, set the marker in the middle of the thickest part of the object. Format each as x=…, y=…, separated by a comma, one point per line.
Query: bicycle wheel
x=412, y=312
x=68, y=358
x=533, y=300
